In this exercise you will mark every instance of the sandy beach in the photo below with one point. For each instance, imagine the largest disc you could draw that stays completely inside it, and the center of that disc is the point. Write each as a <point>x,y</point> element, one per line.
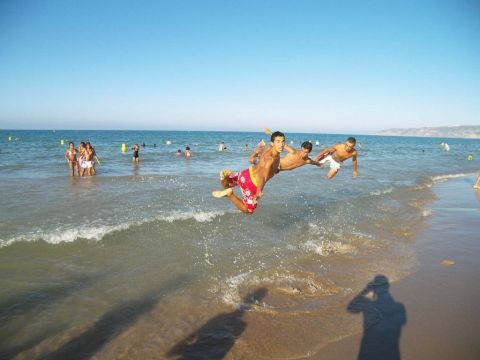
<point>442,319</point>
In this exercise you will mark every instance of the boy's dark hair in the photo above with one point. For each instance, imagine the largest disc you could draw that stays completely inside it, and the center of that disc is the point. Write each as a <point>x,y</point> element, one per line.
<point>277,134</point>
<point>352,140</point>
<point>71,143</point>
<point>307,145</point>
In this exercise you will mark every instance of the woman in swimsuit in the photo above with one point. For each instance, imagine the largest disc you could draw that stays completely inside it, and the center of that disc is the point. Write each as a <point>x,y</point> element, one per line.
<point>89,159</point>
<point>81,158</point>
<point>135,150</point>
<point>71,158</point>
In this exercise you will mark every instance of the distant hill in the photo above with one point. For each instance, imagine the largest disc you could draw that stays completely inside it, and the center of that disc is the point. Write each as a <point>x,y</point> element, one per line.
<point>471,132</point>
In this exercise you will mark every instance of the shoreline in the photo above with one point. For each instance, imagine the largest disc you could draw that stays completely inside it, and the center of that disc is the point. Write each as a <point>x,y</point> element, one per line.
<point>442,321</point>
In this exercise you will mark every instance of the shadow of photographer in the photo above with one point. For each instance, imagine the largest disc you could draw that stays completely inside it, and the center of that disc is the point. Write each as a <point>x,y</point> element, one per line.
<point>383,319</point>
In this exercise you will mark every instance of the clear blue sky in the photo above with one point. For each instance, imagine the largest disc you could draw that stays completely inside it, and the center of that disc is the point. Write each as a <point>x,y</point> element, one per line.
<point>323,66</point>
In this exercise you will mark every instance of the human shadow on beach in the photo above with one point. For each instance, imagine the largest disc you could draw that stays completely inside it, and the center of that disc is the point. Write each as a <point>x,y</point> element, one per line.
<point>112,324</point>
<point>213,340</point>
<point>15,309</point>
<point>383,319</point>
<point>41,297</point>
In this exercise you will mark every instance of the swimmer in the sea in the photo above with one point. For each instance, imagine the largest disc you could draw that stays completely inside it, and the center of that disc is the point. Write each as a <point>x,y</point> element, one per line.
<point>178,153</point>
<point>188,152</point>
<point>252,180</point>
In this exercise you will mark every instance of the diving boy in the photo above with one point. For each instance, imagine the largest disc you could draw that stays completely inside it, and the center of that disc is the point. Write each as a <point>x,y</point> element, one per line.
<point>335,155</point>
<point>252,180</point>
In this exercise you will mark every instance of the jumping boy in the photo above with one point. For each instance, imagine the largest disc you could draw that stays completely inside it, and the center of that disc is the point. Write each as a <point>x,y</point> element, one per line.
<point>252,180</point>
<point>335,155</point>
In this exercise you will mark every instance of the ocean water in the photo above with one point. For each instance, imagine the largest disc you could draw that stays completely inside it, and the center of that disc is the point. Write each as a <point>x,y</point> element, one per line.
<point>140,261</point>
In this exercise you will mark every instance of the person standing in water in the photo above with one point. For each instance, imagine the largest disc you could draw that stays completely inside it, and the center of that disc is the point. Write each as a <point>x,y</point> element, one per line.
<point>71,158</point>
<point>252,180</point>
<point>135,149</point>
<point>188,152</point>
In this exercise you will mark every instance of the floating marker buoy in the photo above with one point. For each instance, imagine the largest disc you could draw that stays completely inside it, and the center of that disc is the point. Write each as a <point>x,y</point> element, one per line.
<point>62,142</point>
<point>9,138</point>
<point>291,141</point>
<point>317,143</point>
<point>470,157</point>
<point>447,262</point>
<point>124,148</point>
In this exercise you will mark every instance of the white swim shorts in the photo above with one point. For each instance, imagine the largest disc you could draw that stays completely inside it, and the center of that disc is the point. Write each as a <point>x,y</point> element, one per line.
<point>333,164</point>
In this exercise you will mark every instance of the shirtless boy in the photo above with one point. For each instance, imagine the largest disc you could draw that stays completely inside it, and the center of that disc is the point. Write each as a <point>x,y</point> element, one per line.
<point>71,158</point>
<point>252,180</point>
<point>296,158</point>
<point>335,155</point>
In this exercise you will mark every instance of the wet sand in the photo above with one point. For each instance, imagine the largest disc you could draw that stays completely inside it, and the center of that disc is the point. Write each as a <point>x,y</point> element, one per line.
<point>440,302</point>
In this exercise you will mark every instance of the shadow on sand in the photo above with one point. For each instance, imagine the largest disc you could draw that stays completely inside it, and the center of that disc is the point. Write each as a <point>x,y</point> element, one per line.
<point>383,319</point>
<point>34,301</point>
<point>112,324</point>
<point>214,340</point>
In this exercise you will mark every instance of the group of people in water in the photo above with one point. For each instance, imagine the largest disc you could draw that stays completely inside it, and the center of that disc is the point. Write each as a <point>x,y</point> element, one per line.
<point>81,161</point>
<point>136,149</point>
<point>267,162</point>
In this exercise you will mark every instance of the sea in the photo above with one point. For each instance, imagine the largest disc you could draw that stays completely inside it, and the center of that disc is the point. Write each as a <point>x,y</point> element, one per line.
<point>141,262</point>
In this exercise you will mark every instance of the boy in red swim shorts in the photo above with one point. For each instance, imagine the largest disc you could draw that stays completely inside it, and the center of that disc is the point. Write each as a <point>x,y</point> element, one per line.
<point>252,180</point>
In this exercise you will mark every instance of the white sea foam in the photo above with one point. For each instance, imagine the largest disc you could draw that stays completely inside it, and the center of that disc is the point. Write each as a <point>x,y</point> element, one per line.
<point>284,282</point>
<point>442,178</point>
<point>381,192</point>
<point>97,232</point>
<point>199,216</point>
<point>427,212</point>
<point>325,247</point>
<point>59,235</point>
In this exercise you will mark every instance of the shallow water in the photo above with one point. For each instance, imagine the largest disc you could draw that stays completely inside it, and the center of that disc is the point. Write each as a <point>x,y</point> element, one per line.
<point>141,262</point>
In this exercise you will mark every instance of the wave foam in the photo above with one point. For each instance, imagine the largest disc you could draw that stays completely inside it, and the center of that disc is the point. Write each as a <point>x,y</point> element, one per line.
<point>442,178</point>
<point>97,232</point>
<point>381,192</point>
<point>325,248</point>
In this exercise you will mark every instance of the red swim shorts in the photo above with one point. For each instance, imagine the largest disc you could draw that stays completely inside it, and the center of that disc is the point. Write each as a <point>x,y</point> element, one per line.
<point>246,181</point>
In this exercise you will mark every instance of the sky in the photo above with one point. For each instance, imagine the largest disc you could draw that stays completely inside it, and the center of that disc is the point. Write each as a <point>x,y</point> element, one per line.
<point>299,66</point>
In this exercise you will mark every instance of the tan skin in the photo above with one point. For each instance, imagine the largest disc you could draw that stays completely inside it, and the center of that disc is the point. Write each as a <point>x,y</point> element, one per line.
<point>340,153</point>
<point>71,158</point>
<point>263,171</point>
<point>477,183</point>
<point>295,158</point>
<point>81,152</point>
<point>89,157</point>
<point>257,152</point>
